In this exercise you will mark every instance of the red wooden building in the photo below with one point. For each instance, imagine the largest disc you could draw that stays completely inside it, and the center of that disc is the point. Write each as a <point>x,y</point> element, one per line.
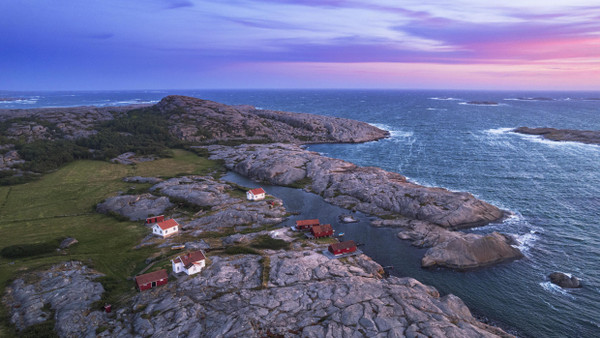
<point>155,219</point>
<point>324,230</point>
<point>306,224</point>
<point>342,247</point>
<point>151,279</point>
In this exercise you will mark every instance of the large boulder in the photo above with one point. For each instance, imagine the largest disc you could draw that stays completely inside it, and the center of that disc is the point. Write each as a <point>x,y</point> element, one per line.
<point>564,281</point>
<point>467,251</point>
<point>135,207</point>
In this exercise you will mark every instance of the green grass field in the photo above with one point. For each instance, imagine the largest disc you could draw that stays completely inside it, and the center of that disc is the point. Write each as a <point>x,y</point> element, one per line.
<point>62,203</point>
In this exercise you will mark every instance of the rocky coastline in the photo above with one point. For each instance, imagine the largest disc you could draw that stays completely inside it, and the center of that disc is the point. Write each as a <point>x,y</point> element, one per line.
<point>427,216</point>
<point>553,134</point>
<point>287,293</point>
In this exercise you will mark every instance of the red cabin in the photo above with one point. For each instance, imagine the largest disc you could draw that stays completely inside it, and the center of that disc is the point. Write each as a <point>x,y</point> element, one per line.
<point>155,219</point>
<point>324,230</point>
<point>152,279</point>
<point>342,248</point>
<point>306,224</point>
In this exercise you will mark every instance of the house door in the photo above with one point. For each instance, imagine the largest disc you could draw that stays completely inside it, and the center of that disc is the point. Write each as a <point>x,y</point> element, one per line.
<point>153,284</point>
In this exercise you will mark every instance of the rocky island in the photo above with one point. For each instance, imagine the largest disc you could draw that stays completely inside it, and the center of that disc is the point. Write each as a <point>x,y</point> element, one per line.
<point>582,136</point>
<point>286,289</point>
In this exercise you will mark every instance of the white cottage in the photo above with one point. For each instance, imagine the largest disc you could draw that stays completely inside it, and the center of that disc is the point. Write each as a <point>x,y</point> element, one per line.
<point>189,263</point>
<point>166,228</point>
<point>255,194</point>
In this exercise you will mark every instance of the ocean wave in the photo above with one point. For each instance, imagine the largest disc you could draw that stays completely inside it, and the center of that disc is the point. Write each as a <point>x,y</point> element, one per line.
<point>21,101</point>
<point>445,99</point>
<point>125,103</point>
<point>555,289</point>
<point>498,131</point>
<point>393,133</point>
<point>495,104</point>
<point>437,109</point>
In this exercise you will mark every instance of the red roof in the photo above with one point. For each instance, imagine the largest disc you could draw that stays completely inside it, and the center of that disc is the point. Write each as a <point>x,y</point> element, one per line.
<point>305,222</point>
<point>343,245</point>
<point>257,191</point>
<point>151,277</point>
<point>190,258</point>
<point>320,229</point>
<point>167,224</point>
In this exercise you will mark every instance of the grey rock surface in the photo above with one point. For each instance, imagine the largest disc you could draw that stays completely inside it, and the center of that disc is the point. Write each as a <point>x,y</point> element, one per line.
<point>367,189</point>
<point>135,207</point>
<point>202,191</point>
<point>199,120</point>
<point>67,289</point>
<point>467,251</point>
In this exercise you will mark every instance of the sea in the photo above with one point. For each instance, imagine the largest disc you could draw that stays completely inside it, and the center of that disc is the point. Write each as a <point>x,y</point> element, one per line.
<point>461,141</point>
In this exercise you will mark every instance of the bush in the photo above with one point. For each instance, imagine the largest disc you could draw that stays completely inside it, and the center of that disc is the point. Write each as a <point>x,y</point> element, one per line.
<point>240,250</point>
<point>267,242</point>
<point>27,250</point>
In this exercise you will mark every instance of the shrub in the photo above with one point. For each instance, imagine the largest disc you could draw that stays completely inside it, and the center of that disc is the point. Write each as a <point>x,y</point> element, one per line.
<point>267,242</point>
<point>27,250</point>
<point>240,250</point>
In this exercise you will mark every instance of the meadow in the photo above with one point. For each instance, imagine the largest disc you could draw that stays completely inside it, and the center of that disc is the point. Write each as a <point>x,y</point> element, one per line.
<point>62,204</point>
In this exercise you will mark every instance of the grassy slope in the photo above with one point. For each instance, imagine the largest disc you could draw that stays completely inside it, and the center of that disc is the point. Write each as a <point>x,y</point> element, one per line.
<point>62,204</point>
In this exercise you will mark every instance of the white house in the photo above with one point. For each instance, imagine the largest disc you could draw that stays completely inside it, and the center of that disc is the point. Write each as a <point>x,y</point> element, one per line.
<point>166,228</point>
<point>189,263</point>
<point>255,194</point>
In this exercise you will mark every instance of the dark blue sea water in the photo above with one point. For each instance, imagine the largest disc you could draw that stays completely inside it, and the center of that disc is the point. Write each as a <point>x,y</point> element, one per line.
<point>438,139</point>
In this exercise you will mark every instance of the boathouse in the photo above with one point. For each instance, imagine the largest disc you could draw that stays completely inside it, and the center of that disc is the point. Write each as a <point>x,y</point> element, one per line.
<point>151,280</point>
<point>255,194</point>
<point>324,230</point>
<point>342,248</point>
<point>155,219</point>
<point>190,263</point>
<point>306,224</point>
<point>166,228</point>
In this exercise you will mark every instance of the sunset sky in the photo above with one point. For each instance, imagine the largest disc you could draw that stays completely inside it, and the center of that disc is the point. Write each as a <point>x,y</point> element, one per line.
<point>178,44</point>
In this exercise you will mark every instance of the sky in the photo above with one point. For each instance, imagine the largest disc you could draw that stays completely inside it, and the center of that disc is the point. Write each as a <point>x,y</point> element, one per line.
<point>396,44</point>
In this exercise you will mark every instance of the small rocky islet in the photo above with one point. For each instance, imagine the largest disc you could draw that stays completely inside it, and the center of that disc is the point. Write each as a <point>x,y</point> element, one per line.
<point>553,134</point>
<point>290,292</point>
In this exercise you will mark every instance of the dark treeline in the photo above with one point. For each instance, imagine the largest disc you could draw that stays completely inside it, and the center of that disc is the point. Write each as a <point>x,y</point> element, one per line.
<point>143,131</point>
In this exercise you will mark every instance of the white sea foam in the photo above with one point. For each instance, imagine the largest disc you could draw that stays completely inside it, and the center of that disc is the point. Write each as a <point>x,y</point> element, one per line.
<point>21,101</point>
<point>393,133</point>
<point>555,289</point>
<point>445,99</point>
<point>498,131</point>
<point>437,109</point>
<point>483,104</point>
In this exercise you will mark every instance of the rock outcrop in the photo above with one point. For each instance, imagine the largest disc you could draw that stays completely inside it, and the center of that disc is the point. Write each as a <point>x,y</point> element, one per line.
<point>583,136</point>
<point>203,191</point>
<point>196,120</point>
<point>135,207</point>
<point>564,281</point>
<point>67,290</point>
<point>367,189</point>
<point>467,251</point>
<point>306,294</point>
<point>426,215</point>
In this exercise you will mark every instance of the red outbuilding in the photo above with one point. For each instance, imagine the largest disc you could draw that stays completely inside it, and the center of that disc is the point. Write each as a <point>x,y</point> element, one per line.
<point>151,279</point>
<point>324,230</point>
<point>342,248</point>
<point>155,219</point>
<point>306,224</point>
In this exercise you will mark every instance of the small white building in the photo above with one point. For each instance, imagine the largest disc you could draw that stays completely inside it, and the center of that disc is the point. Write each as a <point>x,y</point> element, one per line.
<point>166,228</point>
<point>189,263</point>
<point>255,194</point>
